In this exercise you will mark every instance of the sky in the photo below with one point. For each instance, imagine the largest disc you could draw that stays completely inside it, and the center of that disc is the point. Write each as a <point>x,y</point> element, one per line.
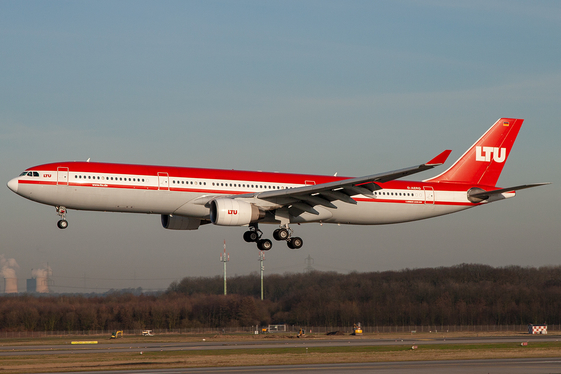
<point>319,87</point>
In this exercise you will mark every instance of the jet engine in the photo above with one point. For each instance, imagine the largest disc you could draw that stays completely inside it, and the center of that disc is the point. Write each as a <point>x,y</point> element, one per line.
<point>230,212</point>
<point>172,222</point>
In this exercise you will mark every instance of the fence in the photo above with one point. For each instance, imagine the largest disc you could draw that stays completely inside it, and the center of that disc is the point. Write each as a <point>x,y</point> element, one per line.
<point>290,328</point>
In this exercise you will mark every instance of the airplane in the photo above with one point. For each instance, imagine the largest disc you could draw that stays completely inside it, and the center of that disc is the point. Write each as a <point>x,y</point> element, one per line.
<point>187,198</point>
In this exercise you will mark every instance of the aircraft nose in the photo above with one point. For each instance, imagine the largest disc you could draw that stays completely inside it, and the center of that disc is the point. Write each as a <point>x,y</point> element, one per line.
<point>13,185</point>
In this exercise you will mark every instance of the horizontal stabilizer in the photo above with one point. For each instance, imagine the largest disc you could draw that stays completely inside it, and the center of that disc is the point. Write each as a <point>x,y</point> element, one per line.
<point>479,195</point>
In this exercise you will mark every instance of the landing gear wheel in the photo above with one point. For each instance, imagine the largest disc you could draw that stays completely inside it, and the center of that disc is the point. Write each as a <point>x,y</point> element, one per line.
<point>295,243</point>
<point>281,234</point>
<point>250,236</point>
<point>61,211</point>
<point>264,244</point>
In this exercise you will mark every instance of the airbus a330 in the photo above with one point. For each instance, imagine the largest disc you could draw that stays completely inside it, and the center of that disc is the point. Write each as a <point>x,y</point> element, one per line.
<point>187,198</point>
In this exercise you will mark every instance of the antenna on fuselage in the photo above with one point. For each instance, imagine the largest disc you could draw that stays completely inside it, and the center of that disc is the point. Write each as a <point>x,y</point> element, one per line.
<point>88,160</point>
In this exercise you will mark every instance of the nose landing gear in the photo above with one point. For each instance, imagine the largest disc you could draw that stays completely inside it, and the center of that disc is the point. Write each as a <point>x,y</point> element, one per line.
<point>63,223</point>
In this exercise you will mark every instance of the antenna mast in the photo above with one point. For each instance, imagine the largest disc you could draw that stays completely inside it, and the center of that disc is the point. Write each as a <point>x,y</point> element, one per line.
<point>224,259</point>
<point>309,262</point>
<point>261,259</point>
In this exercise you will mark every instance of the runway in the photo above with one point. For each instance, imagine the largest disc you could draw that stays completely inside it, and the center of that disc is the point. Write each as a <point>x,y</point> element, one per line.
<point>500,366</point>
<point>19,350</point>
<point>496,366</point>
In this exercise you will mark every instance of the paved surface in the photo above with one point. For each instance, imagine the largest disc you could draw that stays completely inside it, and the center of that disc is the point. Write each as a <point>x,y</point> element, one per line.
<point>512,366</point>
<point>497,366</point>
<point>286,343</point>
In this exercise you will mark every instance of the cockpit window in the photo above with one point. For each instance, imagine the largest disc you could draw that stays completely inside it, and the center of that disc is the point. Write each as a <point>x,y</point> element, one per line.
<point>30,174</point>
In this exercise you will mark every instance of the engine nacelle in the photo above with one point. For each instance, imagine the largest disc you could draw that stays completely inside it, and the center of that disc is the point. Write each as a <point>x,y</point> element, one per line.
<point>230,212</point>
<point>172,222</point>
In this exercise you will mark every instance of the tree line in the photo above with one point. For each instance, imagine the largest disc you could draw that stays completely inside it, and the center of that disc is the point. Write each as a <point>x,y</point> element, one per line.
<point>467,294</point>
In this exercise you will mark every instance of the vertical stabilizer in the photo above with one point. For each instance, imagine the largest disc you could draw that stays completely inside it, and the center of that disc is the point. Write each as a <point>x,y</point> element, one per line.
<point>483,162</point>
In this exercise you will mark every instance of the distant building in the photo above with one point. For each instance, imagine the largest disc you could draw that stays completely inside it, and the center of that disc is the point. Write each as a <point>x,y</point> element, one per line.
<point>537,329</point>
<point>10,285</point>
<point>38,285</point>
<point>32,285</point>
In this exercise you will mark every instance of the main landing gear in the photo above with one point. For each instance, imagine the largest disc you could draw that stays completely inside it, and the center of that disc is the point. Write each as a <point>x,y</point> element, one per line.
<point>254,235</point>
<point>63,223</point>
<point>285,233</point>
<point>282,233</point>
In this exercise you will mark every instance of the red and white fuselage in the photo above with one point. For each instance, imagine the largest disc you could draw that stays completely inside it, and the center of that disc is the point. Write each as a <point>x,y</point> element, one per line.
<point>170,190</point>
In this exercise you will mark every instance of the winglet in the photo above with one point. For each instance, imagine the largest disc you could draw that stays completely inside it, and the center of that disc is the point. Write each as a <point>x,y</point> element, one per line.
<point>440,159</point>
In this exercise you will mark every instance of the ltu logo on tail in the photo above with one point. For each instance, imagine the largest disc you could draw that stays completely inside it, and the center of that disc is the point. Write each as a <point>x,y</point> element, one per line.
<point>484,154</point>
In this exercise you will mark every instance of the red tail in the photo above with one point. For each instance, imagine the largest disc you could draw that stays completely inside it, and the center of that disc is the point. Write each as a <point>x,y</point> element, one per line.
<point>484,161</point>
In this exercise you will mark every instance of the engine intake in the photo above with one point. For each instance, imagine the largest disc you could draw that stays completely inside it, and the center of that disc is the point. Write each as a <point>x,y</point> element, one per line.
<point>230,212</point>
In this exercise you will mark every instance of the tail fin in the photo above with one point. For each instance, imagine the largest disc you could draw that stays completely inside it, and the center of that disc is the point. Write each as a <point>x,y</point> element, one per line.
<point>483,162</point>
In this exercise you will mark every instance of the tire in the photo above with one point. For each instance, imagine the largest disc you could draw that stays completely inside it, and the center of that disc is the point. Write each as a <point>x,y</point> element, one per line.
<point>283,234</point>
<point>264,244</point>
<point>295,243</point>
<point>250,236</point>
<point>62,224</point>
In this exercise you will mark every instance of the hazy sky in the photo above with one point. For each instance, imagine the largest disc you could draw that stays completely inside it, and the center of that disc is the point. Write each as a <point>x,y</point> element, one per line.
<point>354,87</point>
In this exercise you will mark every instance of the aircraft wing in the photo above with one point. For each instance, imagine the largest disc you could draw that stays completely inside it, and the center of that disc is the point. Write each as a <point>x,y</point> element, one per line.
<point>306,197</point>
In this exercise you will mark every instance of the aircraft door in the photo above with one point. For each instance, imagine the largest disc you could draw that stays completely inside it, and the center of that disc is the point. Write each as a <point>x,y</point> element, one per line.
<point>62,176</point>
<point>163,181</point>
<point>429,195</point>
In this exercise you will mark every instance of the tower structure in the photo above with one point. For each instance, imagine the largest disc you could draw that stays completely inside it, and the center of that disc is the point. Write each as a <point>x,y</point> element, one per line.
<point>261,260</point>
<point>309,262</point>
<point>224,259</point>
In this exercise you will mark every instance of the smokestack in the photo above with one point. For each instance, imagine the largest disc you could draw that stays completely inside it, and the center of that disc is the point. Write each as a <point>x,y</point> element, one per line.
<point>8,272</point>
<point>41,276</point>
